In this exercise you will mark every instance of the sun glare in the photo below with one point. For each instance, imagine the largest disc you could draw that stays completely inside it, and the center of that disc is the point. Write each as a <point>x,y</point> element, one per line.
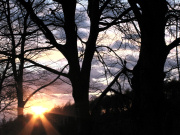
<point>38,110</point>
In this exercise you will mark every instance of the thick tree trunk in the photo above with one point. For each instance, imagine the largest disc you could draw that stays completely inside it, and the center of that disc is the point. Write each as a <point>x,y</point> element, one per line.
<point>148,103</point>
<point>148,74</point>
<point>81,98</point>
<point>83,117</point>
<point>147,83</point>
<point>148,77</point>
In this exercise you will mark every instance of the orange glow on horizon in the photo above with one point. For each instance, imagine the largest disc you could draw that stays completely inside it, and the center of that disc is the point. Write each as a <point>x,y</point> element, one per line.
<point>27,130</point>
<point>50,130</point>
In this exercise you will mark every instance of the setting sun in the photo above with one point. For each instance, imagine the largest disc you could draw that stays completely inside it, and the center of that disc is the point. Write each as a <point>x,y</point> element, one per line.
<point>38,110</point>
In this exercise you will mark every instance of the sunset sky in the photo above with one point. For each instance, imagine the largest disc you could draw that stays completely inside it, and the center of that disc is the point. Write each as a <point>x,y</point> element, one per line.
<point>59,93</point>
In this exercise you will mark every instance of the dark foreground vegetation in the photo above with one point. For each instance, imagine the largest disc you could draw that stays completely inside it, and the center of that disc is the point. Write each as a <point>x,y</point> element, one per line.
<point>111,116</point>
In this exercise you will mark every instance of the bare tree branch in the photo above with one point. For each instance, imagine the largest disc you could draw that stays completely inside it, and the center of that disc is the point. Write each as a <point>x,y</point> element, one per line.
<point>174,44</point>
<point>47,68</point>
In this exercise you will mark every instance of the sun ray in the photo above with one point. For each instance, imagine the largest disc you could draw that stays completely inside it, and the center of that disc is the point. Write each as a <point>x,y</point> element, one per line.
<point>50,130</point>
<point>33,126</point>
<point>29,127</point>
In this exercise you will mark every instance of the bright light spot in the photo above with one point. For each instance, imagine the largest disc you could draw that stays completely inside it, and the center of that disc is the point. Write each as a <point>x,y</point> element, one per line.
<point>38,110</point>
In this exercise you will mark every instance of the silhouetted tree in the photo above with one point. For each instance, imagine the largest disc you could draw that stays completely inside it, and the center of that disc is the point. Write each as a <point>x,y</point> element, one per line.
<point>148,74</point>
<point>79,72</point>
<point>17,32</point>
<point>7,92</point>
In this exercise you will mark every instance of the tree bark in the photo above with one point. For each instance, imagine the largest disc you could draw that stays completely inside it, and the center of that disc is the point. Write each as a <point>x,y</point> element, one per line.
<point>149,101</point>
<point>148,74</point>
<point>81,98</point>
<point>19,89</point>
<point>20,105</point>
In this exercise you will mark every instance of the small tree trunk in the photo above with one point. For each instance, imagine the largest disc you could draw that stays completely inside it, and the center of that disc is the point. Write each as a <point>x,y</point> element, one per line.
<point>20,113</point>
<point>20,109</point>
